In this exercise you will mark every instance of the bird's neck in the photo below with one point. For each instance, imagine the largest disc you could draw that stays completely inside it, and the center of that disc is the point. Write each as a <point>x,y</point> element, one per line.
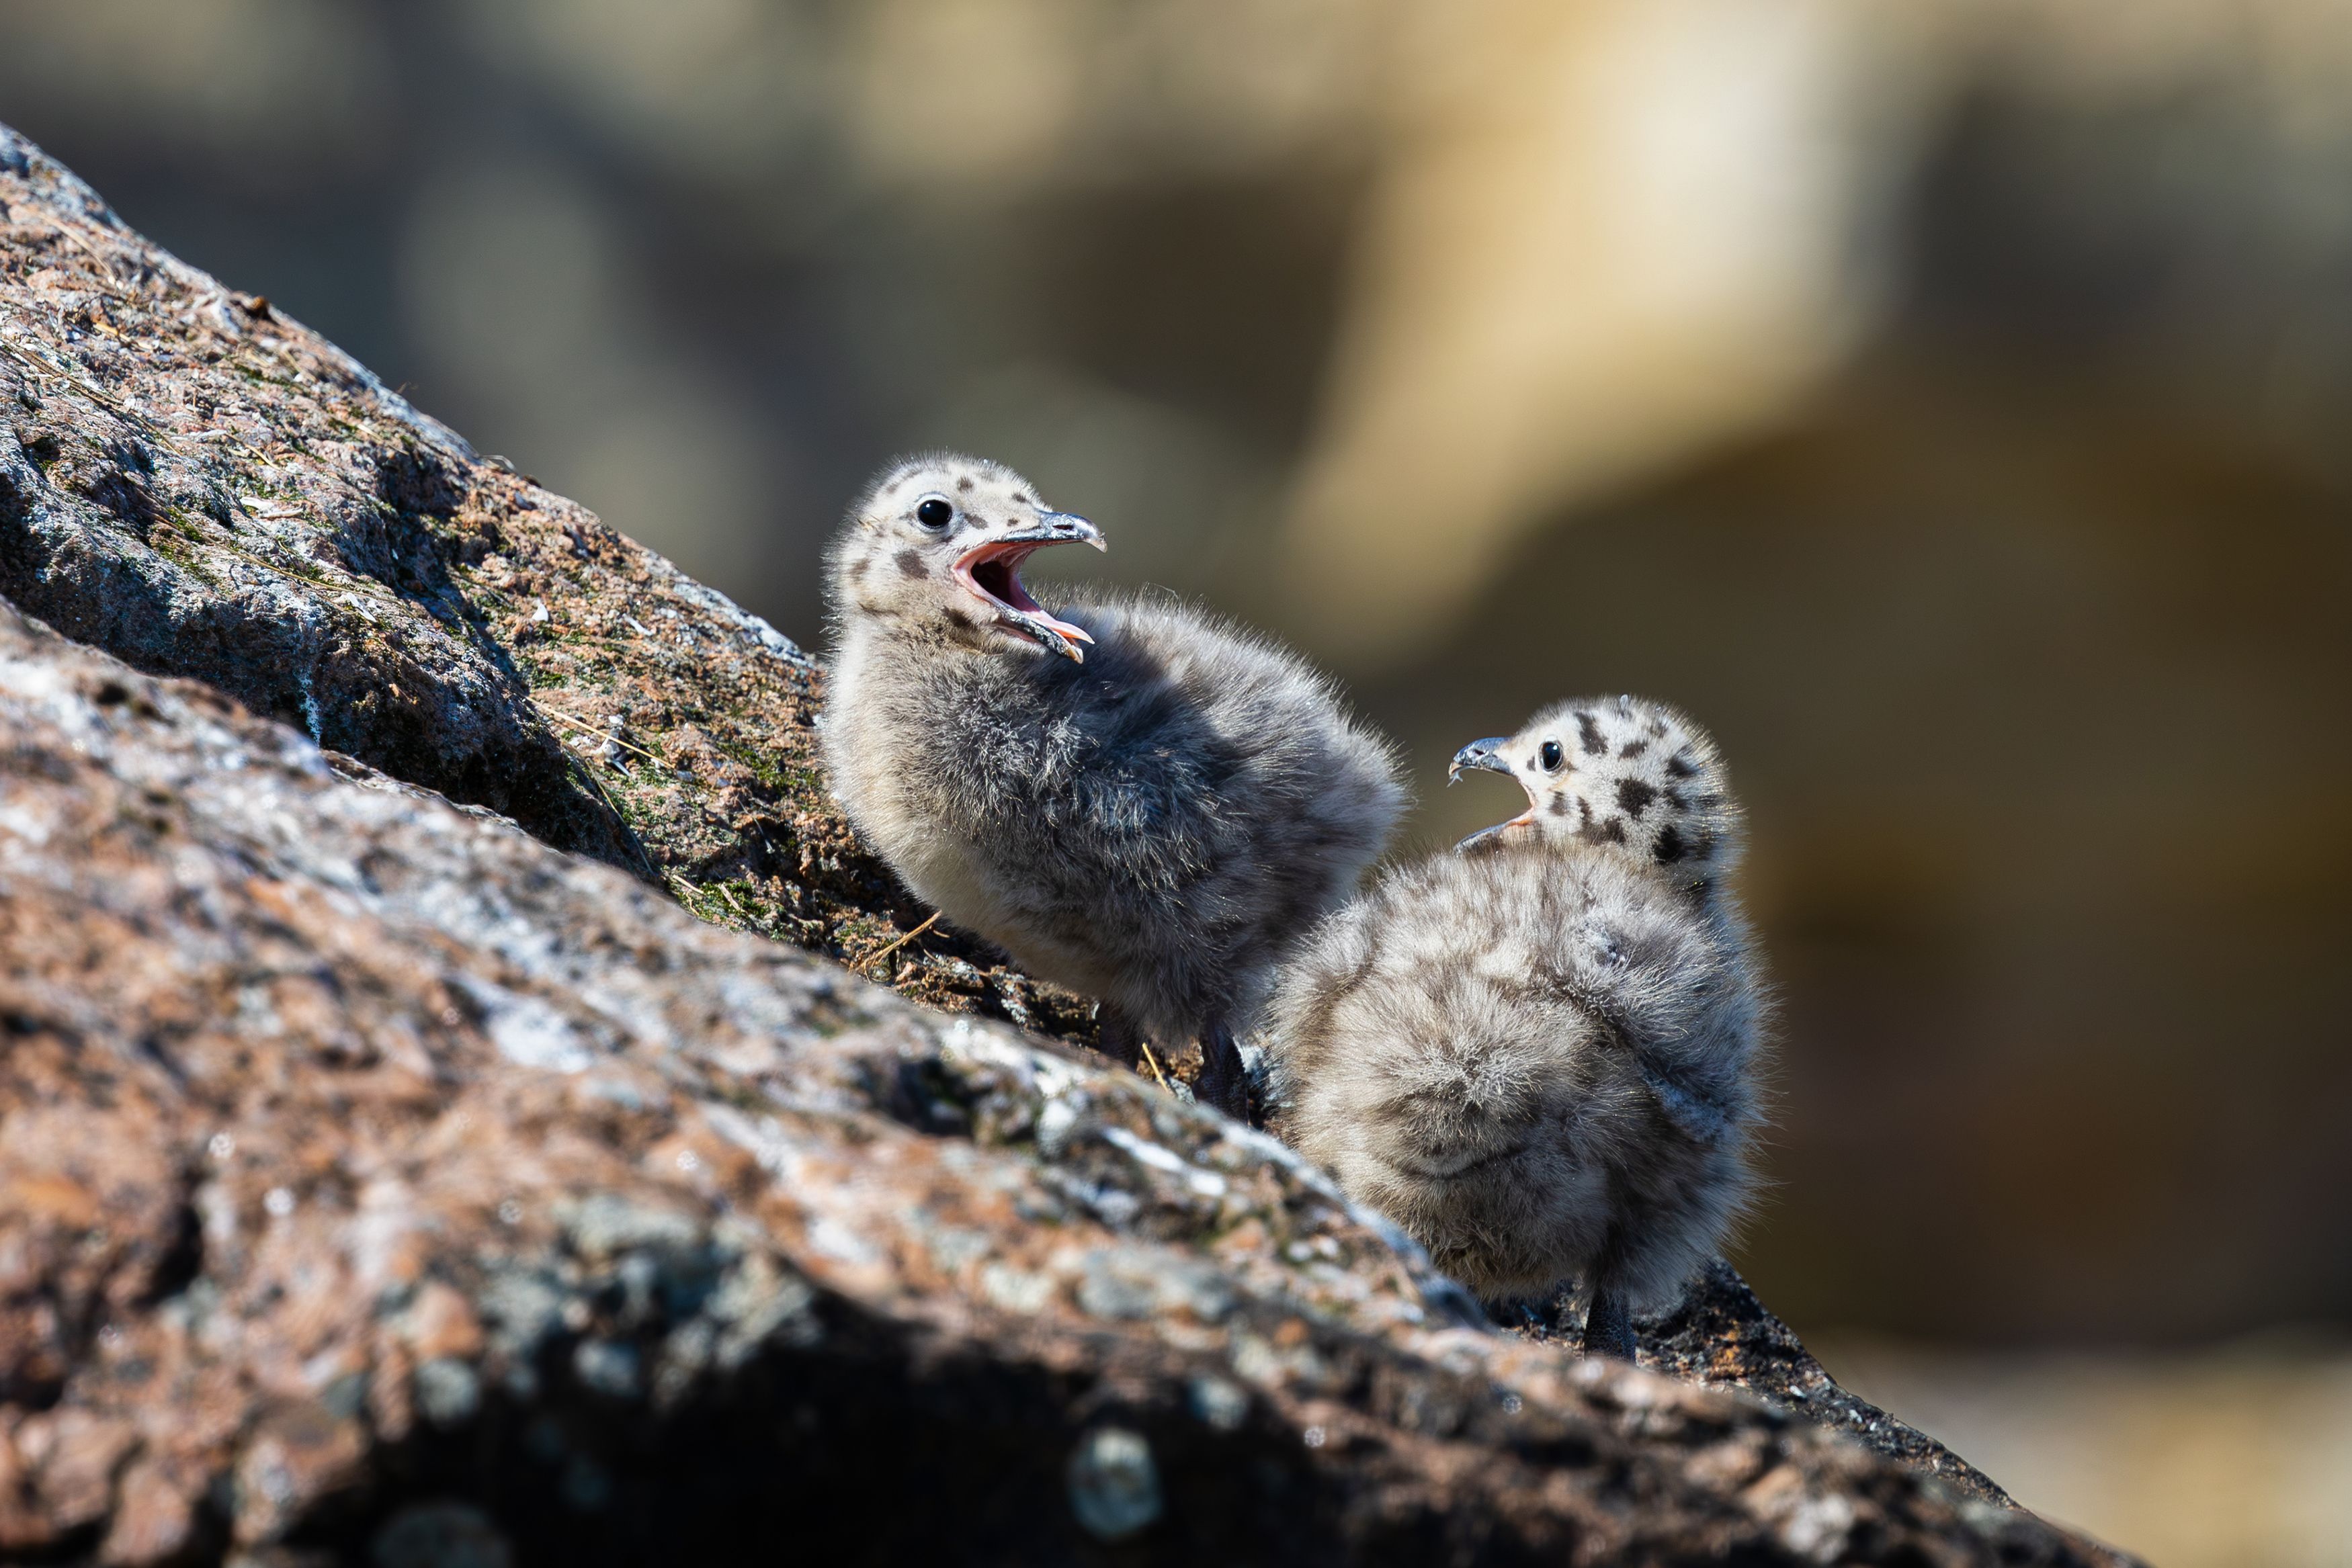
<point>908,655</point>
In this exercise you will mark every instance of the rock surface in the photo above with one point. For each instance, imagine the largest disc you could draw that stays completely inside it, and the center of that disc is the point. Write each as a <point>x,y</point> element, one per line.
<point>203,488</point>
<point>379,1183</point>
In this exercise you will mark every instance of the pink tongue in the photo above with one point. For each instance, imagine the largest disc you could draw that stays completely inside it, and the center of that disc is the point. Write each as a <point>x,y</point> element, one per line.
<point>1075,633</point>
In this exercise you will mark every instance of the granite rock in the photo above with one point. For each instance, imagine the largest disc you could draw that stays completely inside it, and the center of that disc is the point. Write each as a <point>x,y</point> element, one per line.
<point>402,1160</point>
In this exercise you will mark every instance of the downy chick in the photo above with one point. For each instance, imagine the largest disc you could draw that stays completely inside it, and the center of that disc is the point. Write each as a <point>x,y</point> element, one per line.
<point>1538,1053</point>
<point>1132,798</point>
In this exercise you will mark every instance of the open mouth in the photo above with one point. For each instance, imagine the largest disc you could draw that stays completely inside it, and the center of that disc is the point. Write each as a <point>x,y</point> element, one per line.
<point>993,572</point>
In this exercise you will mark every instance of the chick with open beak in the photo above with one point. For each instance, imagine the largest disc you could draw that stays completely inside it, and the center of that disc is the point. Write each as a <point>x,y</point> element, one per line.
<point>937,554</point>
<point>1539,1054</point>
<point>1617,773</point>
<point>1132,797</point>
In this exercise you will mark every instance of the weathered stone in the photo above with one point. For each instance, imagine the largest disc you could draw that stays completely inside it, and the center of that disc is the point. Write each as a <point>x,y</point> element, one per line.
<point>383,1184</point>
<point>203,487</point>
<point>1720,1334</point>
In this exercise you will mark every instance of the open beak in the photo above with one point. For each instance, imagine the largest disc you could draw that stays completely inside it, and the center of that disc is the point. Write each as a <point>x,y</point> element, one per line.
<point>1487,755</point>
<point>991,572</point>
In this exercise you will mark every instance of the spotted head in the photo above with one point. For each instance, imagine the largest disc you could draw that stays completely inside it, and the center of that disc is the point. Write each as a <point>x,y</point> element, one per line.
<point>1621,772</point>
<point>934,547</point>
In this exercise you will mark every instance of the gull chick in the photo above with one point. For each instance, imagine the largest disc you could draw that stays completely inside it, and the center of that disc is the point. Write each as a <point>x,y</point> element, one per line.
<point>1539,1053</point>
<point>1132,798</point>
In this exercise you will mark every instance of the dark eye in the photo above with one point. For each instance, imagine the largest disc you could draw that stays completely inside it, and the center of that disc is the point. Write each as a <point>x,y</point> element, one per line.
<point>1550,756</point>
<point>935,513</point>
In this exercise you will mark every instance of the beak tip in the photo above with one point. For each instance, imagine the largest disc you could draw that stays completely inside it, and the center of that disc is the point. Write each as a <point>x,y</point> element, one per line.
<point>1485,755</point>
<point>1068,527</point>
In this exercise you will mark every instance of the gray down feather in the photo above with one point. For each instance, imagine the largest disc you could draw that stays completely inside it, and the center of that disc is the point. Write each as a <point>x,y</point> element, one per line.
<point>1539,1056</point>
<point>1153,826</point>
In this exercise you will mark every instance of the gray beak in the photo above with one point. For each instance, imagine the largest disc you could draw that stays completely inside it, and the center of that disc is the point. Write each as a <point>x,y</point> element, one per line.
<point>1487,754</point>
<point>1057,637</point>
<point>1059,528</point>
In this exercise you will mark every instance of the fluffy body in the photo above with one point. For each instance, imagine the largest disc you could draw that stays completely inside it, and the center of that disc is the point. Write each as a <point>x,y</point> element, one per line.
<point>1153,826</point>
<point>1539,1055</point>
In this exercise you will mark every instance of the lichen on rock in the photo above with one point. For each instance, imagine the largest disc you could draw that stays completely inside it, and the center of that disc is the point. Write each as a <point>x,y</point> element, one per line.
<point>203,487</point>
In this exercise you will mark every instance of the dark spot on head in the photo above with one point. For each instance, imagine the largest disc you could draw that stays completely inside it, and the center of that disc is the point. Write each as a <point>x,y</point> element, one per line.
<point>1658,727</point>
<point>1670,845</point>
<point>964,483</point>
<point>960,621</point>
<point>910,563</point>
<point>1634,796</point>
<point>1674,799</point>
<point>1584,810</point>
<point>1633,749</point>
<point>1023,501</point>
<point>1587,735</point>
<point>111,692</point>
<point>1559,805</point>
<point>1680,766</point>
<point>1611,831</point>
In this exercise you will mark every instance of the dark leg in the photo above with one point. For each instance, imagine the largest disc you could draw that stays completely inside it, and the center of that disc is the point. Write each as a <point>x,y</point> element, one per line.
<point>1118,1039</point>
<point>1608,1321</point>
<point>1223,1083</point>
<point>1607,1325</point>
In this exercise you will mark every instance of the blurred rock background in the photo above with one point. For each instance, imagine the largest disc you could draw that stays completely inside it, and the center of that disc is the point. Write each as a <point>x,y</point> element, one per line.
<point>1946,402</point>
